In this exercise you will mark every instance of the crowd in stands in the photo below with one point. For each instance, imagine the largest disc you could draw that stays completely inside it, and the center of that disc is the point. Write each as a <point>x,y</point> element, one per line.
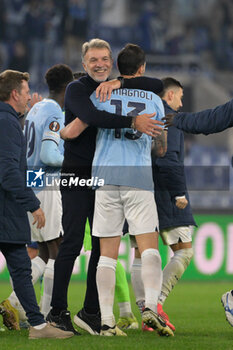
<point>35,34</point>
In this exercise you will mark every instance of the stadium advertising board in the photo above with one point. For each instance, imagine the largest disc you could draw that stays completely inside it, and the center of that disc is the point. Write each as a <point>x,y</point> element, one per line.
<point>212,244</point>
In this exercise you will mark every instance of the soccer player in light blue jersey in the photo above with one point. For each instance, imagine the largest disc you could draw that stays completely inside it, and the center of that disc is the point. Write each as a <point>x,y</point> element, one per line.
<point>123,159</point>
<point>45,153</point>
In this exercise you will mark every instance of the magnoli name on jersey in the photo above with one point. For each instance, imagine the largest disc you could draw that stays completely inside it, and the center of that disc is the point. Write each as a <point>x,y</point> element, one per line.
<point>133,93</point>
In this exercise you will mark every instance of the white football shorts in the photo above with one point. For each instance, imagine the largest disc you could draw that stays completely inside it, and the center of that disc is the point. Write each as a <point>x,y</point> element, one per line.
<point>175,235</point>
<point>114,204</point>
<point>52,207</point>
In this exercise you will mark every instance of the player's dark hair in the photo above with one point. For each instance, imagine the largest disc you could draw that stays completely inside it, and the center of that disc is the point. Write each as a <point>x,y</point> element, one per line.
<point>169,83</point>
<point>130,58</point>
<point>78,75</point>
<point>58,76</point>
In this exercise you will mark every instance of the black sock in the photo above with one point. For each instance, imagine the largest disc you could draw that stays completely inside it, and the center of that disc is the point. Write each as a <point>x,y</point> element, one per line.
<point>56,311</point>
<point>90,311</point>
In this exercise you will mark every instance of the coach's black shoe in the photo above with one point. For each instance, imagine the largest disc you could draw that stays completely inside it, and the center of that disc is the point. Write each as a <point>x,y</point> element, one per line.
<point>62,321</point>
<point>89,322</point>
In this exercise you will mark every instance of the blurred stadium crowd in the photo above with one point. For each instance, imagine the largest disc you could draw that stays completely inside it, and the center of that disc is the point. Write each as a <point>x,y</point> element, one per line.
<point>42,32</point>
<point>34,35</point>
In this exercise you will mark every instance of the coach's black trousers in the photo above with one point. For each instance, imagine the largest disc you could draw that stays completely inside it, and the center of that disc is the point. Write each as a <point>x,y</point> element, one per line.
<point>78,205</point>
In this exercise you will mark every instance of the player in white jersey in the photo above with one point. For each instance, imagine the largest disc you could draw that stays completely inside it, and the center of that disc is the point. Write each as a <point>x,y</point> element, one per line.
<point>45,155</point>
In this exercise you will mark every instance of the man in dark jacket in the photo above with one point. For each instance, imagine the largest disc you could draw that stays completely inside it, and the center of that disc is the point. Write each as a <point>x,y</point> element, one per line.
<point>209,121</point>
<point>174,211</point>
<point>172,199</point>
<point>16,200</point>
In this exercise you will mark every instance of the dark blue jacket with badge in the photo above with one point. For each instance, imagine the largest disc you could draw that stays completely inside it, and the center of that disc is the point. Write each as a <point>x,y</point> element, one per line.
<point>15,198</point>
<point>169,180</point>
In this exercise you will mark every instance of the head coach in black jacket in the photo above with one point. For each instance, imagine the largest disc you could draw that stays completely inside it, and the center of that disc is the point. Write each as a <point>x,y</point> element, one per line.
<point>175,215</point>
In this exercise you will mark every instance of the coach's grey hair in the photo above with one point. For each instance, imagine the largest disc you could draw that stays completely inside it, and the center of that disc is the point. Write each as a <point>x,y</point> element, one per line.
<point>97,44</point>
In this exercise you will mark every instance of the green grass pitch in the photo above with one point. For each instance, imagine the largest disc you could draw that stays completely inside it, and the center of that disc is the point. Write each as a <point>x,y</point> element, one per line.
<point>193,307</point>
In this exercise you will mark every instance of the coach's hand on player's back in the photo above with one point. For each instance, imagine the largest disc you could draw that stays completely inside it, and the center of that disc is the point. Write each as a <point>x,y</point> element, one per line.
<point>39,218</point>
<point>145,124</point>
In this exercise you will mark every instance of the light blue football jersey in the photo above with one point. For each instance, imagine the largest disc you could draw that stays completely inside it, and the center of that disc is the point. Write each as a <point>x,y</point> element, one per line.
<point>44,122</point>
<point>123,156</point>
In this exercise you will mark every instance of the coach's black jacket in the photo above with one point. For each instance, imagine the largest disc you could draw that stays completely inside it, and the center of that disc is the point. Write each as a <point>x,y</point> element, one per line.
<point>169,180</point>
<point>15,198</point>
